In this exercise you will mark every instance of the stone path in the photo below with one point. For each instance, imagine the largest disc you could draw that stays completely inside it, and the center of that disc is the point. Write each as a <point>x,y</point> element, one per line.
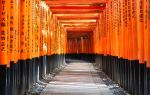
<point>77,79</point>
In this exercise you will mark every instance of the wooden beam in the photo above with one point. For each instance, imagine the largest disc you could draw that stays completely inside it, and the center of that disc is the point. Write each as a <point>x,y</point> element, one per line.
<point>76,18</point>
<point>80,29</point>
<point>63,2</point>
<point>76,12</point>
<point>77,7</point>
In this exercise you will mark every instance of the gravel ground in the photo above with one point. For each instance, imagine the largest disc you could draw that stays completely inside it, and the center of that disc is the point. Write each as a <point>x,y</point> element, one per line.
<point>117,90</point>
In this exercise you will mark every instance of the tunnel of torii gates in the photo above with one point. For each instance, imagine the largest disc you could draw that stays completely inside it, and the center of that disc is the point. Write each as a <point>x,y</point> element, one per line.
<point>36,36</point>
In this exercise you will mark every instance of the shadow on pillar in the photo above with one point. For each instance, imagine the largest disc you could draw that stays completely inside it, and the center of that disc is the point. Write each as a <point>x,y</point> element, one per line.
<point>21,76</point>
<point>129,74</point>
<point>3,80</point>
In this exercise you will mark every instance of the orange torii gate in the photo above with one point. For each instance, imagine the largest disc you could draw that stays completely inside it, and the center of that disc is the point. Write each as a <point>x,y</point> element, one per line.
<point>36,35</point>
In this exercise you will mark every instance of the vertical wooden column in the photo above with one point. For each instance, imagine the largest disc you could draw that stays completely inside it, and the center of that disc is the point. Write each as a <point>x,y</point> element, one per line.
<point>3,46</point>
<point>12,45</point>
<point>148,46</point>
<point>23,30</point>
<point>140,18</point>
